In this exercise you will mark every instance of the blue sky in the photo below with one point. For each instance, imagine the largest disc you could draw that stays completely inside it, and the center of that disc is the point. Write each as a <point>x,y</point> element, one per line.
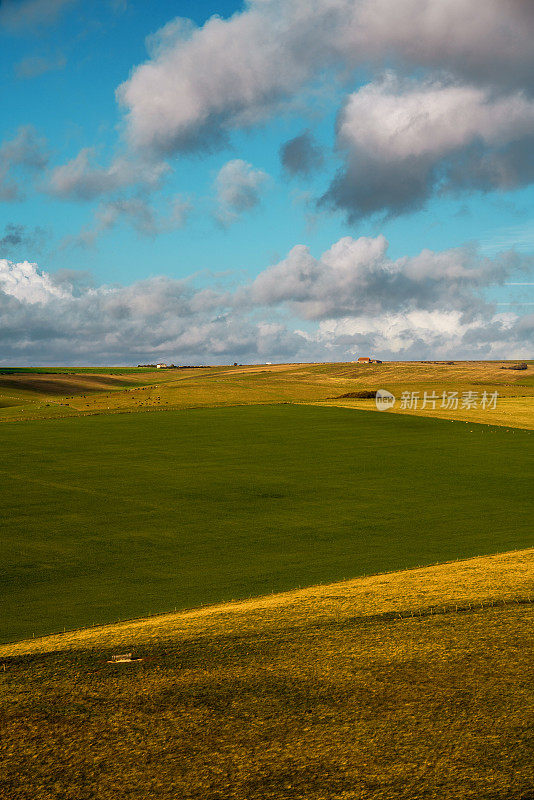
<point>233,142</point>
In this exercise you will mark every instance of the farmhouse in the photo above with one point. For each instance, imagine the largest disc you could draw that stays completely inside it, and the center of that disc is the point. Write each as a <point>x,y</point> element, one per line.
<point>368,360</point>
<point>161,366</point>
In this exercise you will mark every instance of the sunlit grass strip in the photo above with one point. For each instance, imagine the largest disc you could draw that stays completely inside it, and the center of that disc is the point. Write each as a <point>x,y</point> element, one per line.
<point>475,583</point>
<point>510,412</point>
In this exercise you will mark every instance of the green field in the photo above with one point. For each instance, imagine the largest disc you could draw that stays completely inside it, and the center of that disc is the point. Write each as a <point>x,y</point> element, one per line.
<point>117,516</point>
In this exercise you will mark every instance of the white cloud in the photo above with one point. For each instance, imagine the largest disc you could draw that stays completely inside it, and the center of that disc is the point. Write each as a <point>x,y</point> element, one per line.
<point>238,186</point>
<point>428,334</point>
<point>25,282</point>
<point>429,306</point>
<point>81,179</point>
<point>201,83</point>
<point>400,121</point>
<point>356,276</point>
<point>403,141</point>
<point>43,321</point>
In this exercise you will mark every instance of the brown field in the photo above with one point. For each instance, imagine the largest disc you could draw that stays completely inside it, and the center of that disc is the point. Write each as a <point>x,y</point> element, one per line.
<point>404,685</point>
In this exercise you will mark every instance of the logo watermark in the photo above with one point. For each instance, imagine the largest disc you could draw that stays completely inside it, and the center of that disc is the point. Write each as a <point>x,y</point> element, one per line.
<point>470,401</point>
<point>384,400</point>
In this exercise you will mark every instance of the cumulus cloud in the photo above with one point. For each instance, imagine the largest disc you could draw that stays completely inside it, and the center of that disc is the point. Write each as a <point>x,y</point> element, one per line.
<point>356,277</point>
<point>33,66</point>
<point>156,318</point>
<point>432,306</point>
<point>427,334</point>
<point>404,140</point>
<point>301,155</point>
<point>484,41</point>
<point>238,186</point>
<point>26,151</point>
<point>18,16</point>
<point>26,283</point>
<point>81,179</point>
<point>201,83</point>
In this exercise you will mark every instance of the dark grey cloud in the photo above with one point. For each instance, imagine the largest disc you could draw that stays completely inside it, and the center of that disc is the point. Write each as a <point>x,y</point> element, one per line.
<point>364,188</point>
<point>509,166</point>
<point>301,155</point>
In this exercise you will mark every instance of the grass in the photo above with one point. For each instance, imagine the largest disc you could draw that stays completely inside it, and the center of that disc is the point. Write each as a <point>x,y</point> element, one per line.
<point>411,684</point>
<point>57,393</point>
<point>330,693</point>
<point>512,412</point>
<point>116,516</point>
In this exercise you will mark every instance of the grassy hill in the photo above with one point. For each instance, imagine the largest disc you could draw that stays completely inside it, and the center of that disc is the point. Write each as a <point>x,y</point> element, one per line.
<point>128,492</point>
<point>108,517</point>
<point>405,685</point>
<point>38,394</point>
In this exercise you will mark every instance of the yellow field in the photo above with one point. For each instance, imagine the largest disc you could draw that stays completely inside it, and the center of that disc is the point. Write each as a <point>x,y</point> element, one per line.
<point>27,396</point>
<point>512,412</point>
<point>405,685</point>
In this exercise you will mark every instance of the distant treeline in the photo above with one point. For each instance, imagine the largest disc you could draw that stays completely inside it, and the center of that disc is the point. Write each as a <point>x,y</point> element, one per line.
<point>364,394</point>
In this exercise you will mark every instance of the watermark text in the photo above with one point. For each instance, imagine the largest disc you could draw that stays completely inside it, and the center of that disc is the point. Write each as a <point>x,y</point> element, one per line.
<point>448,400</point>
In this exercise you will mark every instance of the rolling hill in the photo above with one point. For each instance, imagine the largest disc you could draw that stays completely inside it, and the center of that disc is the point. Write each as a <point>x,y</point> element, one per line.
<point>405,685</point>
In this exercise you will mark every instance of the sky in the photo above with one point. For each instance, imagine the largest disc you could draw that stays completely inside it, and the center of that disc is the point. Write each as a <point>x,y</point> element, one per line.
<point>212,181</point>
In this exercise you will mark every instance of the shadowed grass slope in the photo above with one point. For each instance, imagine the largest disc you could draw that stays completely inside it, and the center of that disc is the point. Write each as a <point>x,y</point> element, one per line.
<point>330,693</point>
